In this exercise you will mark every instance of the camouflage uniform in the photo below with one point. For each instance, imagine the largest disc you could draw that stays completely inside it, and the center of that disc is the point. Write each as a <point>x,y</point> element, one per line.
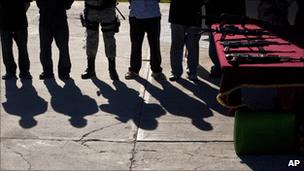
<point>100,12</point>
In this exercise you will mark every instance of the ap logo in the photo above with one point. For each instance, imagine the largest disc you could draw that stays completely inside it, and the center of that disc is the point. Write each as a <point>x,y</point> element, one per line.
<point>294,163</point>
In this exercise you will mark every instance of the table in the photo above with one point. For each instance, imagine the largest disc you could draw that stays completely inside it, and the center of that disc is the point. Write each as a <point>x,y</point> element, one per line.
<point>285,74</point>
<point>275,137</point>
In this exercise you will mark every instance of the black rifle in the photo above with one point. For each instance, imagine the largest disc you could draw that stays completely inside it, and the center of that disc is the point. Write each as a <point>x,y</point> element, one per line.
<point>240,58</point>
<point>250,43</point>
<point>233,30</point>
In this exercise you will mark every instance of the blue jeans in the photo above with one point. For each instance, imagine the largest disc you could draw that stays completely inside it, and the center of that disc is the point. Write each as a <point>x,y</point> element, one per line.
<point>180,36</point>
<point>20,38</point>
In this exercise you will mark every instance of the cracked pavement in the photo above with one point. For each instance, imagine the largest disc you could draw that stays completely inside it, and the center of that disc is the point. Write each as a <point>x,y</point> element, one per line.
<point>124,125</point>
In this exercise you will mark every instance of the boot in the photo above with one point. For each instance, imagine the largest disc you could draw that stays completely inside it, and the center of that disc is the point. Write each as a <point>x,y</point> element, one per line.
<point>90,71</point>
<point>112,69</point>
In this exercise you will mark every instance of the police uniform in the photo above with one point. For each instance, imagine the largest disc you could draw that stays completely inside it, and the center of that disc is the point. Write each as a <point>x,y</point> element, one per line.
<point>100,12</point>
<point>13,26</point>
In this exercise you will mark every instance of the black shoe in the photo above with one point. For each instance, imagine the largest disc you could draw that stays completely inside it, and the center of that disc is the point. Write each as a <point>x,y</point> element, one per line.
<point>174,78</point>
<point>158,76</point>
<point>25,76</point>
<point>215,73</point>
<point>131,75</point>
<point>88,75</point>
<point>114,75</point>
<point>8,76</point>
<point>193,77</point>
<point>64,77</point>
<point>44,76</point>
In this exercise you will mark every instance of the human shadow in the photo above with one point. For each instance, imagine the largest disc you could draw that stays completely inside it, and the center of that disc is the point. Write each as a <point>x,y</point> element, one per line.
<point>70,101</point>
<point>204,92</point>
<point>204,74</point>
<point>126,104</point>
<point>178,103</point>
<point>23,102</point>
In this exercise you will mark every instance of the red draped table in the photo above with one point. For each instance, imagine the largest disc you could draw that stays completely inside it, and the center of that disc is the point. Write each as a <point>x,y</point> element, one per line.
<point>285,74</point>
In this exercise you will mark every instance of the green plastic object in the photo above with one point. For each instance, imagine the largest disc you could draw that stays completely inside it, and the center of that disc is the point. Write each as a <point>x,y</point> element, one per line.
<point>264,133</point>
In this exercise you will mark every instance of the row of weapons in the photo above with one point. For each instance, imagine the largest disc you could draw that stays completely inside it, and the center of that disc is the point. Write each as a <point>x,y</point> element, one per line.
<point>258,41</point>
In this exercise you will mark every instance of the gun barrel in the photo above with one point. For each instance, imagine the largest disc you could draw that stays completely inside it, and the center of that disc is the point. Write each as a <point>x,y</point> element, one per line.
<point>250,43</point>
<point>238,58</point>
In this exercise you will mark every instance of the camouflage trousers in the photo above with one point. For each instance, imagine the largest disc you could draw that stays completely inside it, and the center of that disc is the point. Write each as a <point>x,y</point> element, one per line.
<point>106,19</point>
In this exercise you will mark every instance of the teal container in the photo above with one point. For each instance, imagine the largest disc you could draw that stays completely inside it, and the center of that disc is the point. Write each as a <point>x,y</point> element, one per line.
<point>264,133</point>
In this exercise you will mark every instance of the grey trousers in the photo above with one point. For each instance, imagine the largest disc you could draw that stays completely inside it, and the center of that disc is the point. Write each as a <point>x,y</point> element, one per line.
<point>181,36</point>
<point>105,18</point>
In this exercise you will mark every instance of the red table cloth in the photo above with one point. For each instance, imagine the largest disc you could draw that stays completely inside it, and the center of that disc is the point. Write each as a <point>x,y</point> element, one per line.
<point>285,74</point>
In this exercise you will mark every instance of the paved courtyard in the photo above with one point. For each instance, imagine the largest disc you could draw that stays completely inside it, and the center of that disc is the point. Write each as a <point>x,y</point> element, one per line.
<point>123,125</point>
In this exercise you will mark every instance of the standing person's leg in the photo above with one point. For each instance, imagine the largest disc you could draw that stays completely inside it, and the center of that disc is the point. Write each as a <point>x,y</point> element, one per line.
<point>192,45</point>
<point>7,54</point>
<point>153,34</point>
<point>23,60</point>
<point>137,33</point>
<point>176,51</point>
<point>61,36</point>
<point>46,39</point>
<point>216,68</point>
<point>108,27</point>
<point>92,41</point>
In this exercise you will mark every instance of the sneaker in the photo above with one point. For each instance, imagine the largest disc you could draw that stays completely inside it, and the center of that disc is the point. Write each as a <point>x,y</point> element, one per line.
<point>25,76</point>
<point>158,76</point>
<point>193,77</point>
<point>44,76</point>
<point>174,78</point>
<point>131,75</point>
<point>88,75</point>
<point>114,76</point>
<point>8,76</point>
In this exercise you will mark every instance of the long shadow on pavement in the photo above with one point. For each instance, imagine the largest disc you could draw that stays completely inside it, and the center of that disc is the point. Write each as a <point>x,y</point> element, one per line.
<point>126,104</point>
<point>204,92</point>
<point>178,103</point>
<point>23,102</point>
<point>70,101</point>
<point>204,74</point>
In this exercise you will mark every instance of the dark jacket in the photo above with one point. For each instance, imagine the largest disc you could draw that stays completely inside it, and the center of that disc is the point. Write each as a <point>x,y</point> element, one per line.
<point>186,12</point>
<point>53,12</point>
<point>217,7</point>
<point>13,14</point>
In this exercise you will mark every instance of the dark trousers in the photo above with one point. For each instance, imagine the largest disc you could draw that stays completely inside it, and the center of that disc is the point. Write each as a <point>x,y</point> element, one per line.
<point>61,36</point>
<point>138,28</point>
<point>213,54</point>
<point>20,38</point>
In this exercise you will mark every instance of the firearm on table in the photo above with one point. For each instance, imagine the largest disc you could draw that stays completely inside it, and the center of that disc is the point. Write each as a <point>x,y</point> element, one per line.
<point>250,43</point>
<point>240,58</point>
<point>233,30</point>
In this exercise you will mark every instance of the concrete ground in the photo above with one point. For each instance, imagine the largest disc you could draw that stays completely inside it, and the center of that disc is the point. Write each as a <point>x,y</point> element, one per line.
<point>124,125</point>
